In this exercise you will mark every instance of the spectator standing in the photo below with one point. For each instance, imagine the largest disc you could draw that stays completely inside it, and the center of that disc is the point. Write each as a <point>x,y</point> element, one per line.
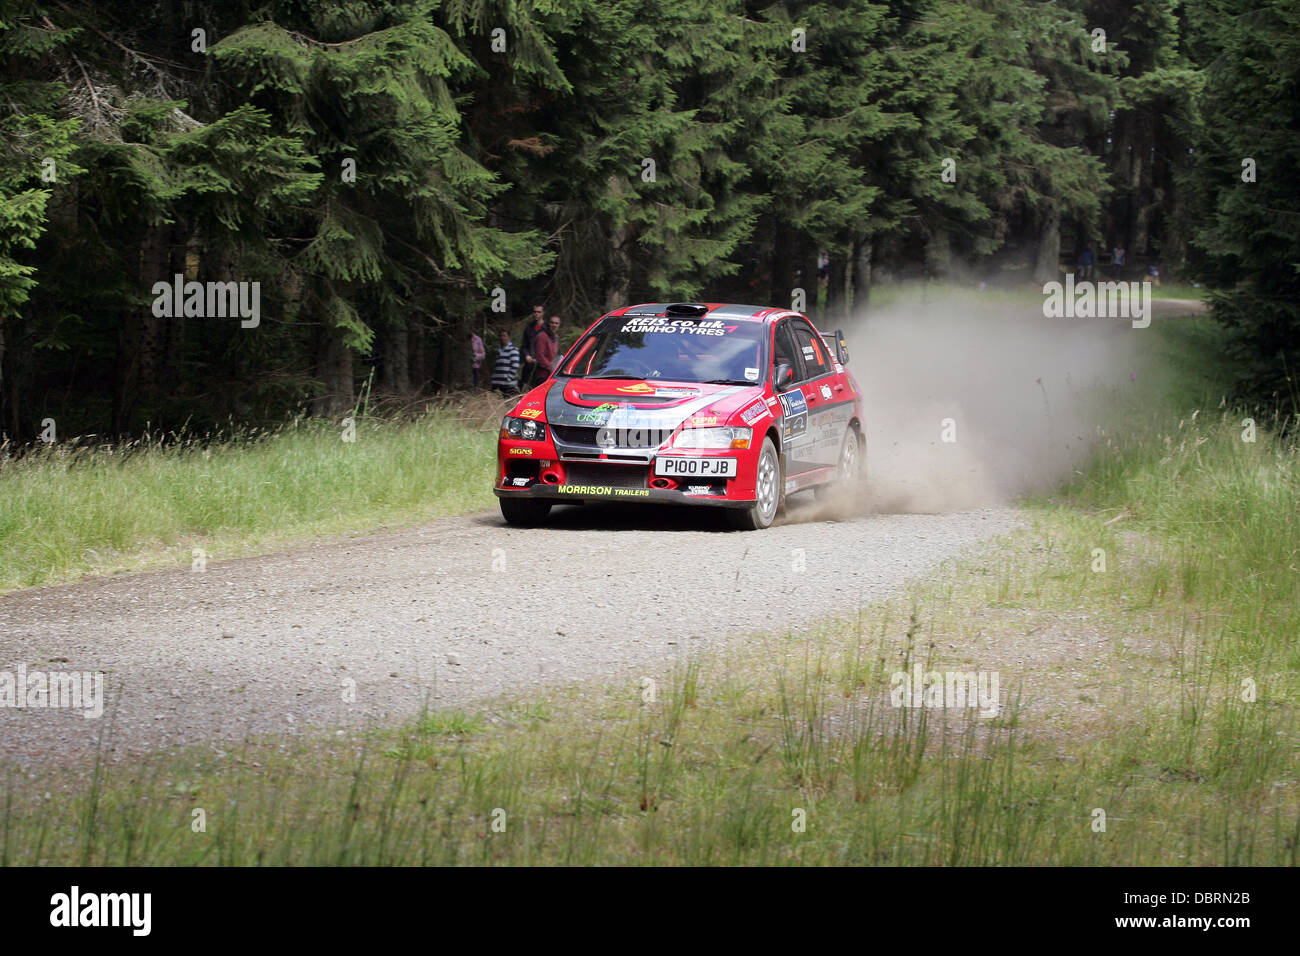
<point>547,348</point>
<point>1117,257</point>
<point>505,373</point>
<point>478,354</point>
<point>1086,259</point>
<point>528,342</point>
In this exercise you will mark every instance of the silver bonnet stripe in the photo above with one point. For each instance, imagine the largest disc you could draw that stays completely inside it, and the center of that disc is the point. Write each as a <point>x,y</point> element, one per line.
<point>560,412</point>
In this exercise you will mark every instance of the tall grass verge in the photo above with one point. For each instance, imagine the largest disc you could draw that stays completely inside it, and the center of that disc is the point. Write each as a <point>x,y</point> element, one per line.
<point>70,508</point>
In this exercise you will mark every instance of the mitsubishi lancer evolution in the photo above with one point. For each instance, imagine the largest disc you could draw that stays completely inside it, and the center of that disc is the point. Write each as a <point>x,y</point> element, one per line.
<point>729,406</point>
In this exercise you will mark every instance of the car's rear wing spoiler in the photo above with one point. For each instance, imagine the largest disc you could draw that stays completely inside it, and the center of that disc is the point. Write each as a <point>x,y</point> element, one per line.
<point>839,348</point>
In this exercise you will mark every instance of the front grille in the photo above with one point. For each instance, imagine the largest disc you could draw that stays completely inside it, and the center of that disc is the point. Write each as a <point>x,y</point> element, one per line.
<point>582,436</point>
<point>575,434</point>
<point>615,476</point>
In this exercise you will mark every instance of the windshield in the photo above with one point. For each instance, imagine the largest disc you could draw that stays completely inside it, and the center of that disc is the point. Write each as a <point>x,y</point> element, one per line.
<point>680,350</point>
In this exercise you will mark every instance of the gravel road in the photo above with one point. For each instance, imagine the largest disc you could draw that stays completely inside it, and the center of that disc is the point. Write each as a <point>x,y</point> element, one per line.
<point>449,613</point>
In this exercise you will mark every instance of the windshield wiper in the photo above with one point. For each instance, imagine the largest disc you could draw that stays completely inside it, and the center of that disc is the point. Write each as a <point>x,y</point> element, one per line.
<point>728,381</point>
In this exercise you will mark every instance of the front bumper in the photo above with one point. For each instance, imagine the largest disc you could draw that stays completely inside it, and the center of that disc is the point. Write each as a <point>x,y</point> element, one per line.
<point>576,493</point>
<point>535,470</point>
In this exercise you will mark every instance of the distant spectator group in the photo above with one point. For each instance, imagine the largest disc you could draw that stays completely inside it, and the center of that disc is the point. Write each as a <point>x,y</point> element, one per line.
<point>520,368</point>
<point>1087,261</point>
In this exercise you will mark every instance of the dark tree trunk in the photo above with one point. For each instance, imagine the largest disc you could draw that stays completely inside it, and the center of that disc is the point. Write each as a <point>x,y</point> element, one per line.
<point>618,276</point>
<point>619,263</point>
<point>455,364</point>
<point>334,372</point>
<point>863,248</point>
<point>394,368</point>
<point>8,391</point>
<point>1140,189</point>
<point>1047,264</point>
<point>938,254</point>
<point>782,268</point>
<point>807,279</point>
<point>222,269</point>
<point>155,266</point>
<point>1123,173</point>
<point>836,291</point>
<point>417,354</point>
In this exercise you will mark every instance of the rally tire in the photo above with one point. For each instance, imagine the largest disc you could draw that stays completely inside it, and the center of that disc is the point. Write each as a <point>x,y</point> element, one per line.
<point>851,471</point>
<point>767,493</point>
<point>525,512</point>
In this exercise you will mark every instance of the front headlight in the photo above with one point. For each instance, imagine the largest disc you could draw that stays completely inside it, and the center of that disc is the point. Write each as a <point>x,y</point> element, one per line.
<point>713,437</point>
<point>524,428</point>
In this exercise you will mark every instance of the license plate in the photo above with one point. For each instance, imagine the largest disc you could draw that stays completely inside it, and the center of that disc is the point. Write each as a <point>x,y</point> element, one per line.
<point>696,467</point>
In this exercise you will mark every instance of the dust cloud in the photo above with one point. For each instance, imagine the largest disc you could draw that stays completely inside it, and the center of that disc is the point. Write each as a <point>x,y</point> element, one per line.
<point>1020,390</point>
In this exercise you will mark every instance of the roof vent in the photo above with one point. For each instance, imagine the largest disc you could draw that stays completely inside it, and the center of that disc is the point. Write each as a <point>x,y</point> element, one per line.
<point>687,310</point>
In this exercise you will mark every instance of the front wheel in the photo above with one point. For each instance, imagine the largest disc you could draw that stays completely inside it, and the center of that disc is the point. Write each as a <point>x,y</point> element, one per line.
<point>525,512</point>
<point>767,493</point>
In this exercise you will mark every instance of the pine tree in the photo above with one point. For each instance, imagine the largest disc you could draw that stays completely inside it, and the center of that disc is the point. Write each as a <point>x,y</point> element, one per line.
<point>1246,182</point>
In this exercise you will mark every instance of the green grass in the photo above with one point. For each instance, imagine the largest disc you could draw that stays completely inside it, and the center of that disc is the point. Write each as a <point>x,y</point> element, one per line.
<point>1125,691</point>
<point>734,751</point>
<point>65,511</point>
<point>1175,290</point>
<point>1160,692</point>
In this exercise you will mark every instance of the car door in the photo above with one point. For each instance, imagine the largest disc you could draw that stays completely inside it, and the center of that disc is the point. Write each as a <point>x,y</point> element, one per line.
<point>830,406</point>
<point>795,440</point>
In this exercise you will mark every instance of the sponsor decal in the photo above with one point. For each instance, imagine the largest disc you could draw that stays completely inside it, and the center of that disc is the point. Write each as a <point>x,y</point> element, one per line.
<point>753,413</point>
<point>606,490</point>
<point>645,388</point>
<point>698,490</point>
<point>751,374</point>
<point>772,401</point>
<point>666,326</point>
<point>521,451</point>
<point>519,482</point>
<point>839,369</point>
<point>598,415</point>
<point>794,403</point>
<point>795,422</point>
<point>826,391</point>
<point>808,353</point>
<point>531,413</point>
<point>703,420</point>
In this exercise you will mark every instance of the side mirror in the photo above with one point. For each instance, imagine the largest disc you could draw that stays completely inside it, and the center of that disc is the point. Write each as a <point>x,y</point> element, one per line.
<point>783,377</point>
<point>835,342</point>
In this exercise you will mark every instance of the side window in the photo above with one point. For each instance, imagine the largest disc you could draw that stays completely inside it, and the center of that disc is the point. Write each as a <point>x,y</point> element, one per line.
<point>784,351</point>
<point>813,351</point>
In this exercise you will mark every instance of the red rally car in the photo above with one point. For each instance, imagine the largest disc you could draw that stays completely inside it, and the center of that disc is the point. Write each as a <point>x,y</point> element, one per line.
<point>734,406</point>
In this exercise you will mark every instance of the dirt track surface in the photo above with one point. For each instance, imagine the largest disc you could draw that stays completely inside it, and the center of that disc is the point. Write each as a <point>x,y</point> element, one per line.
<point>1174,307</point>
<point>447,614</point>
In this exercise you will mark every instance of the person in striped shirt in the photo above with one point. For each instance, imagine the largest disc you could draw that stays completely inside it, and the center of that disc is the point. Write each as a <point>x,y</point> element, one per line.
<point>505,374</point>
